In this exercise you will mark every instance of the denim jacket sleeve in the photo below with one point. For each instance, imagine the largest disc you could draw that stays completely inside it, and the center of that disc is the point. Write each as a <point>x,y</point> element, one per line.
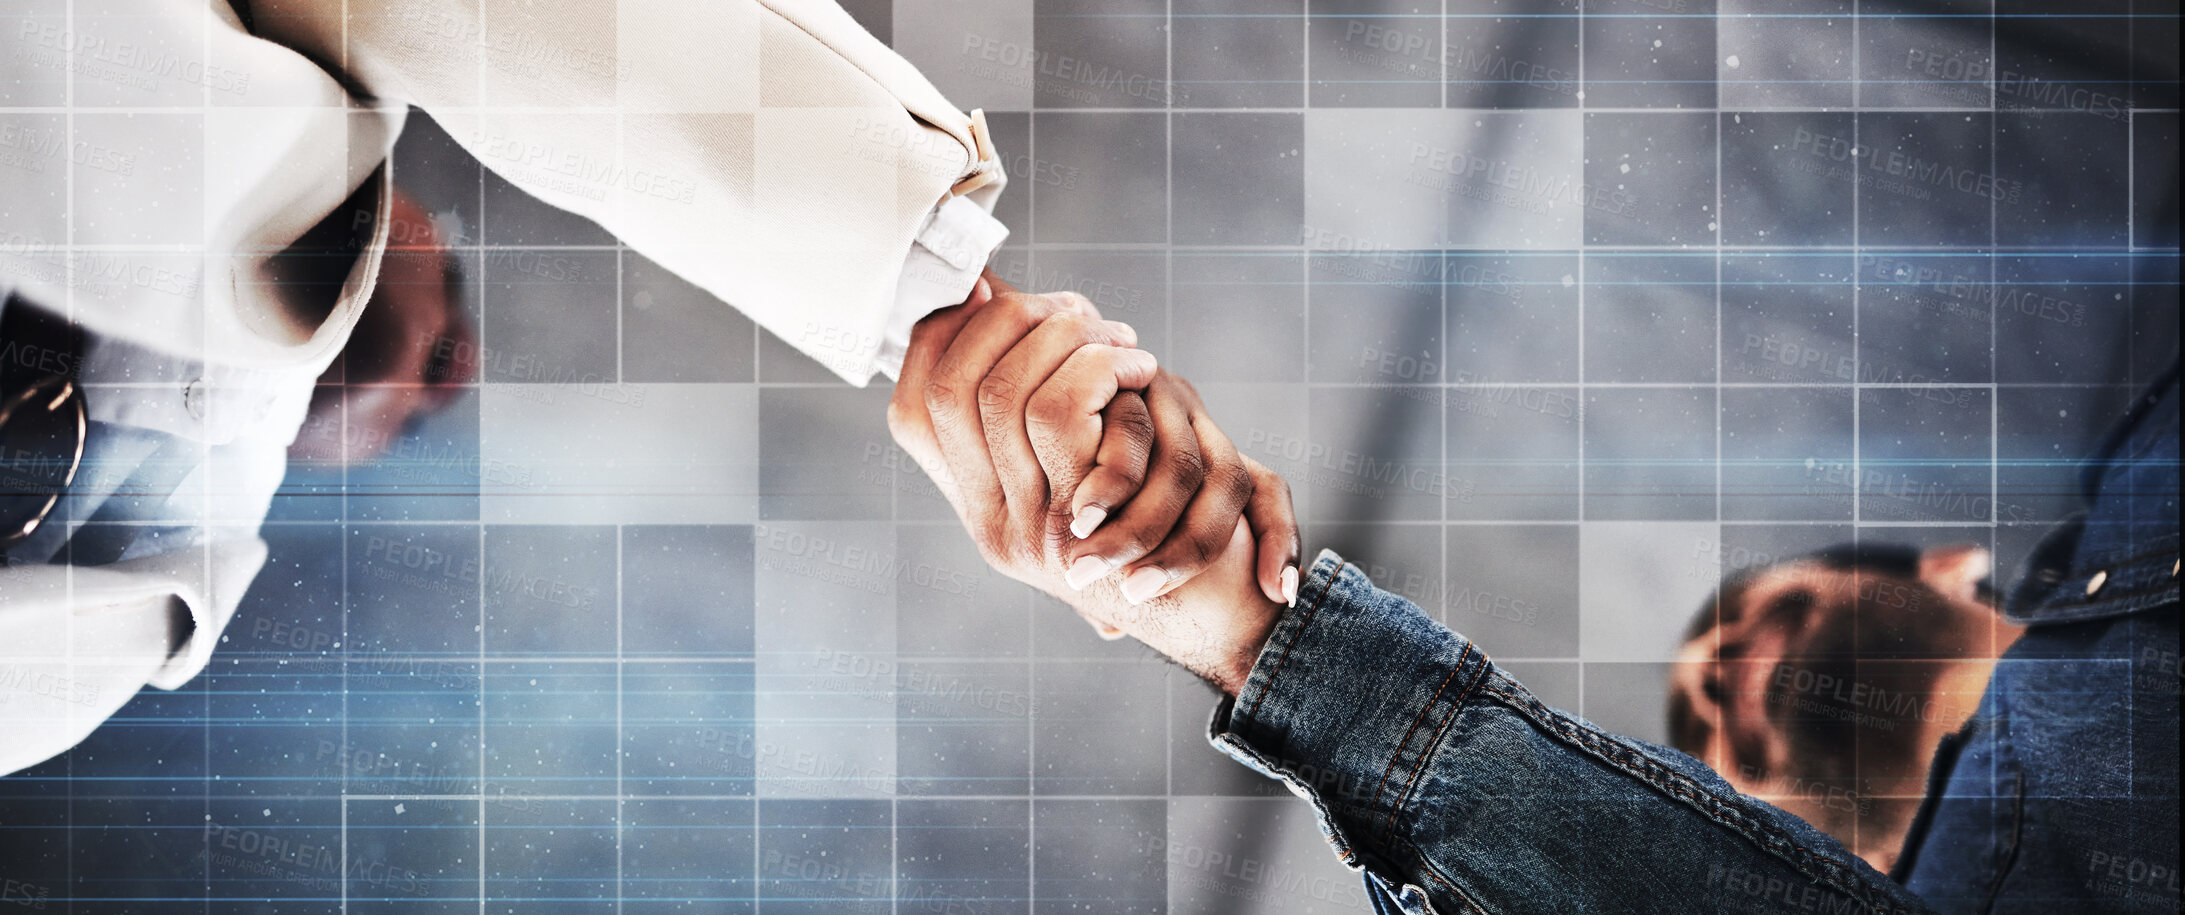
<point>1458,792</point>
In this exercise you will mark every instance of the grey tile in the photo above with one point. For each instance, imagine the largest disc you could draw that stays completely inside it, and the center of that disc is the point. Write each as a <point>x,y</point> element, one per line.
<point>687,590</point>
<point>555,856</point>
<point>1195,768</point>
<point>1252,60</point>
<point>1628,698</point>
<point>440,175</point>
<point>549,589</point>
<point>688,730</point>
<point>514,217</point>
<point>1373,453</point>
<point>1290,869</point>
<point>1376,318</point>
<point>620,453</point>
<point>673,331</point>
<point>1511,588</point>
<point>1514,180</point>
<point>1786,454</point>
<point>1552,682</point>
<point>675,851</point>
<point>780,362</point>
<point>549,317</point>
<point>2042,435</point>
<point>1239,178</point>
<point>1102,857</point>
<point>1787,318</point>
<point>949,602</point>
<point>1768,60</point>
<point>1652,178</point>
<point>1239,317</point>
<point>1526,57</point>
<point>1099,728</point>
<point>1120,168</point>
<point>2154,55</point>
<point>1512,317</point>
<point>1650,317</point>
<point>1514,453</point>
<point>431,471</point>
<point>1375,54</point>
<point>826,856</point>
<point>2062,320</point>
<point>1927,179</point>
<point>2061,179</point>
<point>1370,186</point>
<point>979,53</point>
<point>963,728</point>
<point>1650,454</point>
<point>1787,178</point>
<point>41,23</point>
<point>1127,286</point>
<point>1934,55</point>
<point>413,724</point>
<point>1924,455</point>
<point>432,844</point>
<point>2154,298</point>
<point>812,453</point>
<point>1117,58</point>
<point>1637,58</point>
<point>413,588</point>
<point>2154,187</point>
<point>972,856</point>
<point>1402,559</point>
<point>1925,318</point>
<point>551,726</point>
<point>2068,63</point>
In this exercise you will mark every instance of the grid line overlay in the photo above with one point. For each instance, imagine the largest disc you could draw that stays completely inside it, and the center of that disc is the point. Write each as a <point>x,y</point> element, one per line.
<point>1292,205</point>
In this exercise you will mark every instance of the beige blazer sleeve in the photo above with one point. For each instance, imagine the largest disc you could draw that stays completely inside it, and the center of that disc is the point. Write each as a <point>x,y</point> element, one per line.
<point>770,151</point>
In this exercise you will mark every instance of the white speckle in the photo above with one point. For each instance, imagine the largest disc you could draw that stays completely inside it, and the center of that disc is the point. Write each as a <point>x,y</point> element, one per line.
<point>1569,281</point>
<point>1624,168</point>
<point>398,808</point>
<point>1731,60</point>
<point>266,812</point>
<point>1657,42</point>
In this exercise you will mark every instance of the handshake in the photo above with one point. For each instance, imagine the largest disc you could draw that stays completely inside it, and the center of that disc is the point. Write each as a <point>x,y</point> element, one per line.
<point>1081,467</point>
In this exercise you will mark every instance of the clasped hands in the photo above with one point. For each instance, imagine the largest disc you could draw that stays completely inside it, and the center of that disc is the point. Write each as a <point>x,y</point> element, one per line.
<point>1080,466</point>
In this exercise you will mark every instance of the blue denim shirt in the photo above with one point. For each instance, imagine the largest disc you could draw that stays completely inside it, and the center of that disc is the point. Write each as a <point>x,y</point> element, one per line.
<point>1457,791</point>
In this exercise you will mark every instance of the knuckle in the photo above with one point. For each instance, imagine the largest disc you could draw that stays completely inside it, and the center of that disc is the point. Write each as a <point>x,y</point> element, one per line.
<point>1048,408</point>
<point>997,393</point>
<point>941,397</point>
<point>1188,465</point>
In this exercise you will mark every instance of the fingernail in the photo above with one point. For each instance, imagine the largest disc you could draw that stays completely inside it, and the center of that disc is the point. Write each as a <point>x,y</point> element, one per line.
<point>1085,571</point>
<point>1289,585</point>
<point>1088,520</point>
<point>1143,584</point>
<point>1109,632</point>
<point>1124,332</point>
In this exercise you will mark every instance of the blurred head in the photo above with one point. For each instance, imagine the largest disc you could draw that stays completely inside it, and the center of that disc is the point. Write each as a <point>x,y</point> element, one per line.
<point>1824,684</point>
<point>412,351</point>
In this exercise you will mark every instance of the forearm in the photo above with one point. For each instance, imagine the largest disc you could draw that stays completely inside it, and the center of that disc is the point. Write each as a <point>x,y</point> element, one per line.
<point>1432,768</point>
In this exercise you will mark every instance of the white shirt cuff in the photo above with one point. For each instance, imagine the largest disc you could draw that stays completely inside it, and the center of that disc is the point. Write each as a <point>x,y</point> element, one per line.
<point>944,263</point>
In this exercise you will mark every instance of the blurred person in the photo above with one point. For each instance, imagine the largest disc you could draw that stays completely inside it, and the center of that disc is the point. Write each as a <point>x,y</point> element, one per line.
<point>1454,789</point>
<point>410,355</point>
<point>1826,684</point>
<point>200,206</point>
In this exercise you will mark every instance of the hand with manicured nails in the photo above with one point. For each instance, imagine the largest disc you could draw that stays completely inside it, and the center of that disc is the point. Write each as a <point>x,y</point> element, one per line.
<point>1073,460</point>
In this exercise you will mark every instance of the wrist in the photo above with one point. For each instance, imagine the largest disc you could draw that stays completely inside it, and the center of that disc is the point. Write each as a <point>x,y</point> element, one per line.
<point>1218,621</point>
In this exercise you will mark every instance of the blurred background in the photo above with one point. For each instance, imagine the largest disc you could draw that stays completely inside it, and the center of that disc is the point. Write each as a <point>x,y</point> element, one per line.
<point>1551,313</point>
